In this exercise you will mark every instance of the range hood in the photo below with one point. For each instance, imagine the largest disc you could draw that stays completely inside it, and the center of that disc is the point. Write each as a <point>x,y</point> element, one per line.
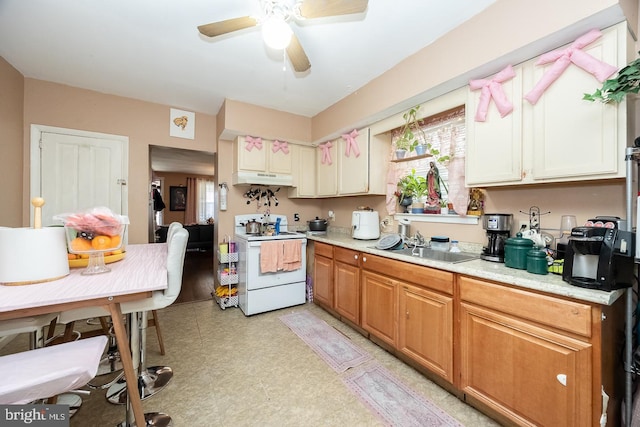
<point>261,178</point>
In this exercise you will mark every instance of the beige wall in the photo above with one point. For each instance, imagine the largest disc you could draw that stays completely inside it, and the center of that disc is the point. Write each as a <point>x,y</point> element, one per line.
<point>11,147</point>
<point>442,66</point>
<point>144,123</point>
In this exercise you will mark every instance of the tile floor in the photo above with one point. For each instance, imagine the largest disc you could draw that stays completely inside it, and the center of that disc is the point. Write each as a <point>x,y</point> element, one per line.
<point>232,370</point>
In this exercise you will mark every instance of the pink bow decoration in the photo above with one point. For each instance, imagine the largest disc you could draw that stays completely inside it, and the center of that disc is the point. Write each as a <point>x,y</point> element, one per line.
<point>326,153</point>
<point>282,146</point>
<point>352,144</point>
<point>253,142</point>
<point>563,58</point>
<point>492,88</point>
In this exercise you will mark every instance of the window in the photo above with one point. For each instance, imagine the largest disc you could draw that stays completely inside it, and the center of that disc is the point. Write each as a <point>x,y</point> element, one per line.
<point>445,133</point>
<point>205,200</point>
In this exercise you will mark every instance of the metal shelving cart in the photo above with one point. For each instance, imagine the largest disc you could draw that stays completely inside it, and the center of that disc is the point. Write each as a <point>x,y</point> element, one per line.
<point>226,293</point>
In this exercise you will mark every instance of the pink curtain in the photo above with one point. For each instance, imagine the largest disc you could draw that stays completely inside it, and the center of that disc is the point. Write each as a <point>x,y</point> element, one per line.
<point>190,212</point>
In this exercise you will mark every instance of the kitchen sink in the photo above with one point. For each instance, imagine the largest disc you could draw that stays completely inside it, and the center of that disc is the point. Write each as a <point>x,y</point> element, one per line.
<point>451,257</point>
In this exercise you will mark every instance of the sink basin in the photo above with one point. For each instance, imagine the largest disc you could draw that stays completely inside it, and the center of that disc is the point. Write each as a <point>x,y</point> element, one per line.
<point>451,257</point>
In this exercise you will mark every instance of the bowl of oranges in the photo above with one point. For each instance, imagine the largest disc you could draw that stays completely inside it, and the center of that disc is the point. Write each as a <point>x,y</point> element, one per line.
<point>95,238</point>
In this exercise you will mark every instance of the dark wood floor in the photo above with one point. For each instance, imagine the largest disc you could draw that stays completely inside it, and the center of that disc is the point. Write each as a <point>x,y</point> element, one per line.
<point>198,280</point>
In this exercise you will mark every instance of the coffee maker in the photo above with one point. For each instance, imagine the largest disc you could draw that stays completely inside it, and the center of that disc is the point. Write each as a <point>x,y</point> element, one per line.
<point>599,257</point>
<point>498,228</point>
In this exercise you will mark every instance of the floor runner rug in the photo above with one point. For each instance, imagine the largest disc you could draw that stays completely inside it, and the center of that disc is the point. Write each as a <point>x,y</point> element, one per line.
<point>332,346</point>
<point>392,401</point>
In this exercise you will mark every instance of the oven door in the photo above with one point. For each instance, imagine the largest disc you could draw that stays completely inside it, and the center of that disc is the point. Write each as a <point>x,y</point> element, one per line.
<point>258,280</point>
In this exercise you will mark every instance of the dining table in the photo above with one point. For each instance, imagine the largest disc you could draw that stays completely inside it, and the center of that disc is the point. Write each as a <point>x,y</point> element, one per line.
<point>142,271</point>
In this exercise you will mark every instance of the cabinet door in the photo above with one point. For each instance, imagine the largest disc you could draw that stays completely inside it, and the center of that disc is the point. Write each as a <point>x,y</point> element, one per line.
<point>531,375</point>
<point>347,284</point>
<point>494,147</point>
<point>254,159</point>
<point>279,162</point>
<point>323,280</point>
<point>327,174</point>
<point>379,306</point>
<point>353,174</point>
<point>303,168</point>
<point>573,138</point>
<point>425,329</point>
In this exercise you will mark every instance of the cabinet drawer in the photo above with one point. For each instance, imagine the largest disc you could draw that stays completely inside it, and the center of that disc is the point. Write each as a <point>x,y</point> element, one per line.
<point>566,315</point>
<point>346,255</point>
<point>419,275</point>
<point>323,249</point>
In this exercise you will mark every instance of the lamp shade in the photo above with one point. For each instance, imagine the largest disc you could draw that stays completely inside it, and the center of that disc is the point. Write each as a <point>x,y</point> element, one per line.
<point>276,33</point>
<point>30,255</point>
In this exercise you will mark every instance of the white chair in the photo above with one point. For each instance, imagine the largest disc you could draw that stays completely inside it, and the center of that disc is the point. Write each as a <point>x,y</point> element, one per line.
<point>49,371</point>
<point>34,326</point>
<point>151,379</point>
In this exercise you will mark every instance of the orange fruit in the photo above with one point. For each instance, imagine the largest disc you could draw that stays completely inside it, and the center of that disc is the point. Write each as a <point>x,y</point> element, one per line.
<point>79,244</point>
<point>115,241</point>
<point>72,256</point>
<point>101,243</point>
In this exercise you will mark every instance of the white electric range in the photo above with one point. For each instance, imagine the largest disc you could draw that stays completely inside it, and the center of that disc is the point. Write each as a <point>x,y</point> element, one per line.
<point>259,292</point>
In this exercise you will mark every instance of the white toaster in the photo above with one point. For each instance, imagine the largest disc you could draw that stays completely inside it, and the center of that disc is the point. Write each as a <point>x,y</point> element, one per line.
<point>365,225</point>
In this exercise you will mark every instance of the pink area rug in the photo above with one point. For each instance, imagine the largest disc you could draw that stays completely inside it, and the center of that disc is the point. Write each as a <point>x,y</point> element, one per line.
<point>392,401</point>
<point>332,346</point>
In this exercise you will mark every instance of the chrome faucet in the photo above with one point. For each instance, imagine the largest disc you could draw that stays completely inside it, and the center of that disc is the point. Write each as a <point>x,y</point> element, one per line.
<point>419,239</point>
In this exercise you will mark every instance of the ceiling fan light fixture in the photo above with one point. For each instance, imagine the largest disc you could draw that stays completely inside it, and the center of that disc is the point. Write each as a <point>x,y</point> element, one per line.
<point>276,33</point>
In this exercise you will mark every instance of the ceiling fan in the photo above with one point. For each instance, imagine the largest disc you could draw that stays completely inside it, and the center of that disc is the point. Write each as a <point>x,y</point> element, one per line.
<point>277,32</point>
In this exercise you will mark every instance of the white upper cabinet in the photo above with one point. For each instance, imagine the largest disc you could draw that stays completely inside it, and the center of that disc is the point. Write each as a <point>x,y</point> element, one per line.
<point>304,176</point>
<point>252,157</point>
<point>494,148</point>
<point>560,138</point>
<point>353,171</point>
<point>262,162</point>
<point>327,169</point>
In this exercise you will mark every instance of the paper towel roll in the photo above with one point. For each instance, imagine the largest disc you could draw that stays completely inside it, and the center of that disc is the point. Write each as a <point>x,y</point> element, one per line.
<point>29,255</point>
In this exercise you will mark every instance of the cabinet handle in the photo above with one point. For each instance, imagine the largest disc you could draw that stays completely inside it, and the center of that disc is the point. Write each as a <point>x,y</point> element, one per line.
<point>562,379</point>
<point>407,314</point>
<point>355,257</point>
<point>364,259</point>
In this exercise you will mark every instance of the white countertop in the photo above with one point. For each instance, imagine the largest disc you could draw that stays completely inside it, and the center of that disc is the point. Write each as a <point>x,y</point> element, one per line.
<point>550,283</point>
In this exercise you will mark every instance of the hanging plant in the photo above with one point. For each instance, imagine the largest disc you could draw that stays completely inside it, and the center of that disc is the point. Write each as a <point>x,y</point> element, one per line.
<point>616,89</point>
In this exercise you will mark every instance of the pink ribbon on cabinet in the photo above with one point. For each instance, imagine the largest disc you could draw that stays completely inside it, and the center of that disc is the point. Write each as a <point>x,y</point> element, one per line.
<point>253,142</point>
<point>326,153</point>
<point>492,88</point>
<point>282,146</point>
<point>352,144</point>
<point>563,58</point>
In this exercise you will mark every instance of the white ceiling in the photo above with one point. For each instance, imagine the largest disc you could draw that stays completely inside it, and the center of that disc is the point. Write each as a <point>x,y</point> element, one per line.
<point>151,49</point>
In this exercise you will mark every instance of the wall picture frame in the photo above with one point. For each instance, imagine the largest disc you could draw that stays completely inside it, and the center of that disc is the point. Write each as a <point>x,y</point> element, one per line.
<point>177,198</point>
<point>182,124</point>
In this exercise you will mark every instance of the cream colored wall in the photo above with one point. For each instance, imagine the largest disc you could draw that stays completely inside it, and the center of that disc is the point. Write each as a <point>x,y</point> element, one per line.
<point>144,123</point>
<point>506,27</point>
<point>11,148</point>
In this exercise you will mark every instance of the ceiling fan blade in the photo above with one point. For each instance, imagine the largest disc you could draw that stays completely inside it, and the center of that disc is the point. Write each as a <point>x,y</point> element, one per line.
<point>223,27</point>
<point>321,8</point>
<point>297,56</point>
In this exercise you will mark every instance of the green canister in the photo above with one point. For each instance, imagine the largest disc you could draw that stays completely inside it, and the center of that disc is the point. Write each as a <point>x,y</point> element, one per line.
<point>537,262</point>
<point>515,251</point>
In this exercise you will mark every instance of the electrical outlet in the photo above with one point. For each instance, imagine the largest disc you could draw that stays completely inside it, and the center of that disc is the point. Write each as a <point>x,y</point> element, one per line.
<point>524,225</point>
<point>332,215</point>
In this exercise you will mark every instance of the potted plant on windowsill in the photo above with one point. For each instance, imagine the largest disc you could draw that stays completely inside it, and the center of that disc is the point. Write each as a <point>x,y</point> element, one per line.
<point>414,187</point>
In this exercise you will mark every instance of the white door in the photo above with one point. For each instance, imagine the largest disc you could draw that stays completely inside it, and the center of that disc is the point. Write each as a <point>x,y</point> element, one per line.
<point>78,170</point>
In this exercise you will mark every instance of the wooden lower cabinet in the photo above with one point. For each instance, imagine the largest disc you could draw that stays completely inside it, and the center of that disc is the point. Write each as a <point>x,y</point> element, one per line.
<point>380,306</point>
<point>425,328</point>
<point>346,280</point>
<point>323,274</point>
<point>525,358</point>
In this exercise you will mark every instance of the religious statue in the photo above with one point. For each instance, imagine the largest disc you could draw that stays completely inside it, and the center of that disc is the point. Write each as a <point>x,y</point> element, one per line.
<point>434,194</point>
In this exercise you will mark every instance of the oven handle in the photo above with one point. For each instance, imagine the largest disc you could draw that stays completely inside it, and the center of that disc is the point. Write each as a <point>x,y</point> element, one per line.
<point>255,244</point>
